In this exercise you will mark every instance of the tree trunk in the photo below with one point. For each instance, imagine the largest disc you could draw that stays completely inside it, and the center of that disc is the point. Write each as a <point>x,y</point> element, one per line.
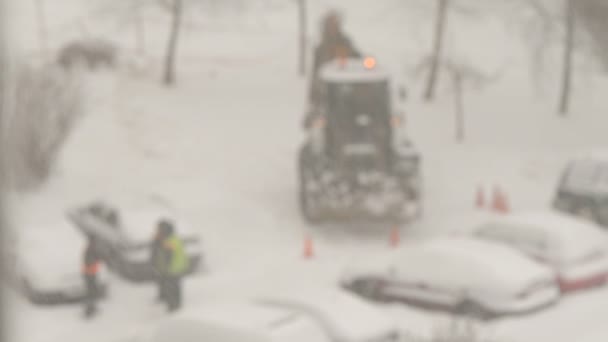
<point>42,28</point>
<point>140,30</point>
<point>3,185</point>
<point>169,78</point>
<point>303,21</point>
<point>459,106</point>
<point>440,23</point>
<point>568,51</point>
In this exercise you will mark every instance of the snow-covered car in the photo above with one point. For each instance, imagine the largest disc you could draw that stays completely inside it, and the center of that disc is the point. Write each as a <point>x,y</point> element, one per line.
<point>344,316</point>
<point>126,236</point>
<point>457,274</point>
<point>47,264</point>
<point>275,320</point>
<point>583,188</point>
<point>577,250</point>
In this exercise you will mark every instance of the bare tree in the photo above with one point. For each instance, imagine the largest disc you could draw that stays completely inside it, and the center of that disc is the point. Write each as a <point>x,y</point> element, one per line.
<point>45,104</point>
<point>42,27</point>
<point>176,8</point>
<point>440,23</point>
<point>303,48</point>
<point>457,79</point>
<point>140,28</point>
<point>568,54</point>
<point>2,175</point>
<point>539,31</point>
<point>463,74</point>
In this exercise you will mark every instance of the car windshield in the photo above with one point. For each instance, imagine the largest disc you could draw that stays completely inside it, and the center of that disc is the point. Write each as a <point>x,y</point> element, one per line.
<point>352,99</point>
<point>358,113</point>
<point>587,175</point>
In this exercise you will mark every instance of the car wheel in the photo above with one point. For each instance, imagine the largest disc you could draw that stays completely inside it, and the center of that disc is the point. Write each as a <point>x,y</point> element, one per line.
<point>308,212</point>
<point>307,205</point>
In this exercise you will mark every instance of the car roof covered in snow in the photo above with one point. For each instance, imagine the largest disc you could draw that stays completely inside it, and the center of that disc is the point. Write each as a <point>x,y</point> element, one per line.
<point>242,321</point>
<point>573,238</point>
<point>352,70</point>
<point>344,316</point>
<point>55,247</point>
<point>472,261</point>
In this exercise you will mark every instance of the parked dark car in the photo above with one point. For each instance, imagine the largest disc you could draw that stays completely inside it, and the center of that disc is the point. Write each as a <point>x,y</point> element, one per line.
<point>583,188</point>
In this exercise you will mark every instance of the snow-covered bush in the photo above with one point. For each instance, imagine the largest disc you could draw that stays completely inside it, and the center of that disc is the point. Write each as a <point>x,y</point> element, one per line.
<point>43,105</point>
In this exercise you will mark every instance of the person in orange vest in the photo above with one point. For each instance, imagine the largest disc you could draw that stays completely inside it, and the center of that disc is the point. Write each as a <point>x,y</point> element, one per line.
<point>90,270</point>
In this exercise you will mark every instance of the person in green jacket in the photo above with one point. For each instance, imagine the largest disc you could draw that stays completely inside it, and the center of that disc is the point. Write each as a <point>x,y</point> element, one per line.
<point>171,263</point>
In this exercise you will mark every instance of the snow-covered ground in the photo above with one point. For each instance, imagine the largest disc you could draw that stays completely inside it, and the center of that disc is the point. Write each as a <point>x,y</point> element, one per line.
<point>221,146</point>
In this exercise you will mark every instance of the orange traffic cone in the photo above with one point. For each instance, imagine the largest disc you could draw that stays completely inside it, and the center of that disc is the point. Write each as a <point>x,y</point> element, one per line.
<point>395,238</point>
<point>500,202</point>
<point>480,200</point>
<point>308,248</point>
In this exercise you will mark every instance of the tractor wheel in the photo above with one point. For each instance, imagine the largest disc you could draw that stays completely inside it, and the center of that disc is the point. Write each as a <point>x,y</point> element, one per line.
<point>308,207</point>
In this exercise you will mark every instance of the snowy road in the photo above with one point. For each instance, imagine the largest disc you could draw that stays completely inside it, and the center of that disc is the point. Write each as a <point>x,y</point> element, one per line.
<point>221,147</point>
<point>228,165</point>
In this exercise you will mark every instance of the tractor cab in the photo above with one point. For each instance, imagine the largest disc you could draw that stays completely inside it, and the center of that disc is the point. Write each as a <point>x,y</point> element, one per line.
<point>356,136</point>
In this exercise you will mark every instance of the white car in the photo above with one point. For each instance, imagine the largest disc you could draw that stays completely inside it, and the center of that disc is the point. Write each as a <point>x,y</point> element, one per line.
<point>276,319</point>
<point>576,249</point>
<point>126,243</point>
<point>47,262</point>
<point>344,316</point>
<point>458,274</point>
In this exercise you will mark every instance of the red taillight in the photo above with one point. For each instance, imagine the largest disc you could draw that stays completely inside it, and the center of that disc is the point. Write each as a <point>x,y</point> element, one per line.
<point>579,284</point>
